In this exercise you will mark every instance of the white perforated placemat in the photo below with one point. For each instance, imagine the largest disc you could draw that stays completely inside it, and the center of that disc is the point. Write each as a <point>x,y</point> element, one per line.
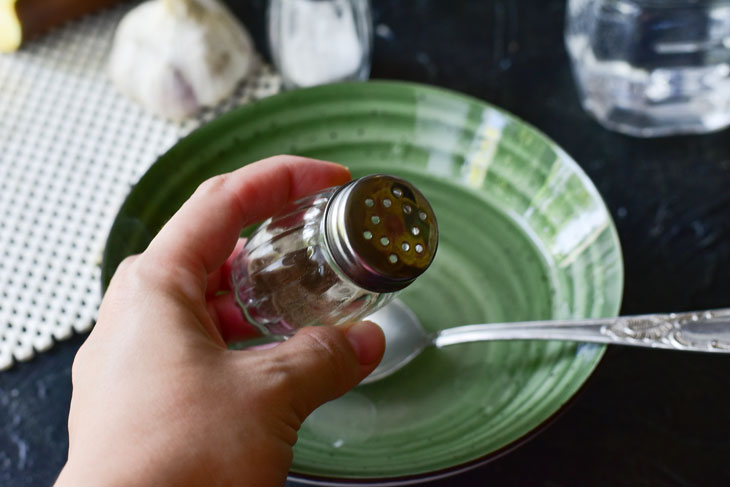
<point>70,148</point>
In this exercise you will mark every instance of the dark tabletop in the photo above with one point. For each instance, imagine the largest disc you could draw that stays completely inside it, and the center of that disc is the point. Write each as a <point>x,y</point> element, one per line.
<point>645,418</point>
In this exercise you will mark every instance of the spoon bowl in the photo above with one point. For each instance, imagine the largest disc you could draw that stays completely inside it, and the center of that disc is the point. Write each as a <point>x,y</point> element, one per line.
<point>405,339</point>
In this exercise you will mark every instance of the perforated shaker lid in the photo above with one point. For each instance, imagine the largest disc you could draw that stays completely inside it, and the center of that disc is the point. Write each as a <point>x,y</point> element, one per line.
<point>381,231</point>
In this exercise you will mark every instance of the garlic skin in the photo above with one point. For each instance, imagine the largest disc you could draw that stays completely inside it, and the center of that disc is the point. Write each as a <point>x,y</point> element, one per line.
<point>175,57</point>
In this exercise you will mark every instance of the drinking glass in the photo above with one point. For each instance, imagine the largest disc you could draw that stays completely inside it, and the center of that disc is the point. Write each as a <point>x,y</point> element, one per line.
<point>320,41</point>
<point>652,67</point>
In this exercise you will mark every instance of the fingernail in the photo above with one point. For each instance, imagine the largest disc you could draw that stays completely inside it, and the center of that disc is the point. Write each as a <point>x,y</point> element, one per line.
<point>368,341</point>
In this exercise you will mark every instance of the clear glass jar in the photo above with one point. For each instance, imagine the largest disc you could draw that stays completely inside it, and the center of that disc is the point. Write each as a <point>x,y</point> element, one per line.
<point>652,67</point>
<point>335,256</point>
<point>315,42</point>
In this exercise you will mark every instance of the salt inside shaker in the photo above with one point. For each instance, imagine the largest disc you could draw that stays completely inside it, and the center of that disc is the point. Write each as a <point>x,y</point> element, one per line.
<point>335,256</point>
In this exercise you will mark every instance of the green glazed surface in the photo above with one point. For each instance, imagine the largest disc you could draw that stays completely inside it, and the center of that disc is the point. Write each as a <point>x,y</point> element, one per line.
<point>523,235</point>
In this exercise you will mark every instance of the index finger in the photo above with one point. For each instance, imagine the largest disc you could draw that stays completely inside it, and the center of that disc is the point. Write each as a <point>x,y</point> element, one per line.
<point>204,232</point>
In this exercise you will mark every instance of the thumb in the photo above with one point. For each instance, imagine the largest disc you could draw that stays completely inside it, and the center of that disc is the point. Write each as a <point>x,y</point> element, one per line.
<point>327,361</point>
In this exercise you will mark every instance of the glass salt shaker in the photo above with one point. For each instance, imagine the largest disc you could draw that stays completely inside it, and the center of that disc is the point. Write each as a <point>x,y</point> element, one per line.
<point>652,67</point>
<point>314,42</point>
<point>335,256</point>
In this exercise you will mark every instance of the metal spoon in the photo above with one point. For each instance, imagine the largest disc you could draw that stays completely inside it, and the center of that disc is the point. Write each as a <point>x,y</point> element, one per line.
<point>699,331</point>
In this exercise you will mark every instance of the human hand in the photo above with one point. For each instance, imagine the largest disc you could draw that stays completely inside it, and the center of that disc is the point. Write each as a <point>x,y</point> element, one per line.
<point>158,398</point>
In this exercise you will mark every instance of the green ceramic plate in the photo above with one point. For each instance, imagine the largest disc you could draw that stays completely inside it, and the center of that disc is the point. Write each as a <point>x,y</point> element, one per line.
<point>524,235</point>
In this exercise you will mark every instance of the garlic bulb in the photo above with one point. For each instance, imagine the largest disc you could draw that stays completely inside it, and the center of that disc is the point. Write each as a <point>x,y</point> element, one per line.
<point>176,56</point>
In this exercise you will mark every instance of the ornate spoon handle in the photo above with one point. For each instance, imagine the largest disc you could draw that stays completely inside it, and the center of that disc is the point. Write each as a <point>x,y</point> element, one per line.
<point>699,331</point>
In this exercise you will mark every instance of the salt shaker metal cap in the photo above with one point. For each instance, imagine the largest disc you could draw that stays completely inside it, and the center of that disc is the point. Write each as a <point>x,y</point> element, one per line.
<point>381,232</point>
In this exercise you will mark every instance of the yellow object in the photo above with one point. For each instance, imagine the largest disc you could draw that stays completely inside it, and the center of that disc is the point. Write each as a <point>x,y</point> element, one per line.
<point>11,33</point>
<point>22,20</point>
